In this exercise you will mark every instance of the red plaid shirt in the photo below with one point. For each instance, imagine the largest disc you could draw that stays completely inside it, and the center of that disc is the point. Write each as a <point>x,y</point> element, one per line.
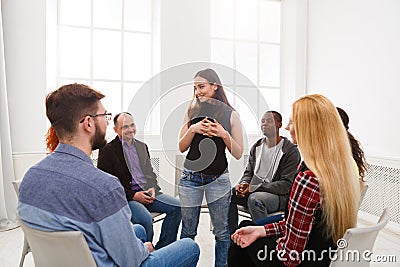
<point>304,201</point>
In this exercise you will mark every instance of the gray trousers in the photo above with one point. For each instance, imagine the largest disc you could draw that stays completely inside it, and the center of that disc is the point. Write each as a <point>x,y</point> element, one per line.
<point>260,205</point>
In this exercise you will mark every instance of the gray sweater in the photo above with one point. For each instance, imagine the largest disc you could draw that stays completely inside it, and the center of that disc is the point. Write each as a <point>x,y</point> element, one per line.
<point>283,178</point>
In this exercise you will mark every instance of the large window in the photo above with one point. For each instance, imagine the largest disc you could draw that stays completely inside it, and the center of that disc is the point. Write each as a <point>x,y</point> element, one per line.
<point>245,35</point>
<point>106,44</point>
<point>111,46</point>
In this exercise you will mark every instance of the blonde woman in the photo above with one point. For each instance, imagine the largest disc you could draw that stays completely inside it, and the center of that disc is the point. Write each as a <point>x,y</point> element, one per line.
<point>323,201</point>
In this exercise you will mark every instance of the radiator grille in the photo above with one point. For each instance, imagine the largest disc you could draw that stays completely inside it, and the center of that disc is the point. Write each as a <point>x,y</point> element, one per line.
<point>383,191</point>
<point>245,161</point>
<point>155,162</point>
<point>94,156</point>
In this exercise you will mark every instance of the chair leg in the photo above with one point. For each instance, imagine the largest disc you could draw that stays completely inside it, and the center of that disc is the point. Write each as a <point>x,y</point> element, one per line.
<point>25,251</point>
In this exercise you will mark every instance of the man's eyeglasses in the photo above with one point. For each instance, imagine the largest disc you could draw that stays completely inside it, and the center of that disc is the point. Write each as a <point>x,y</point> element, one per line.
<point>106,115</point>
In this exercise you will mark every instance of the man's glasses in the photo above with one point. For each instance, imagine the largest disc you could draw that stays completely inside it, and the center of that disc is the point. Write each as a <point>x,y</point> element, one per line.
<point>106,115</point>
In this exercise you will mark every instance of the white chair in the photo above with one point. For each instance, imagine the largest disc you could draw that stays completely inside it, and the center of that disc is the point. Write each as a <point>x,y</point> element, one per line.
<point>60,248</point>
<point>157,216</point>
<point>356,241</point>
<point>244,212</point>
<point>16,185</point>
<point>363,191</point>
<point>25,249</point>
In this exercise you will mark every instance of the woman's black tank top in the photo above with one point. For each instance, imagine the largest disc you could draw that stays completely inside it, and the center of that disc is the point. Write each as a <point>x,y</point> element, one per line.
<point>207,154</point>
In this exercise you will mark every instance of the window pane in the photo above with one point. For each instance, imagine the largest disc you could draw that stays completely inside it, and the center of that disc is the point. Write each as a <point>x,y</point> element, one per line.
<point>107,14</point>
<point>137,57</point>
<point>137,15</point>
<point>230,96</point>
<point>272,97</point>
<point>247,108</point>
<point>112,92</point>
<point>246,19</point>
<point>69,81</point>
<point>106,54</point>
<point>74,56</point>
<point>153,124</point>
<point>111,101</point>
<point>270,21</point>
<point>129,92</point>
<point>222,52</point>
<point>227,75</point>
<point>269,65</point>
<point>140,105</point>
<point>75,12</point>
<point>246,63</point>
<point>221,18</point>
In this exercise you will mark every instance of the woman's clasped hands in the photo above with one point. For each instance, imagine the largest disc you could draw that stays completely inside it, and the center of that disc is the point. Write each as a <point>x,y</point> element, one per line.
<point>209,127</point>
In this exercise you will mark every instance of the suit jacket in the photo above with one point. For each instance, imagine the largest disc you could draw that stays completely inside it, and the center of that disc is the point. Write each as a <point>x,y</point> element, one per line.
<point>112,160</point>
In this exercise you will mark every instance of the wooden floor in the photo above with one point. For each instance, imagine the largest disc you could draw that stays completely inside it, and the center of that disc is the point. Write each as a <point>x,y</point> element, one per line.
<point>387,243</point>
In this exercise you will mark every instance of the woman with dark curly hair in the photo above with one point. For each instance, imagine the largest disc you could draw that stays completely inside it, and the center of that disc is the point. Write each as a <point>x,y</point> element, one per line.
<point>358,153</point>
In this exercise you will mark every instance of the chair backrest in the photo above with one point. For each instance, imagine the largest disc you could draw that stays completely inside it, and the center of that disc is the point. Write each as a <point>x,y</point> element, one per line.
<point>179,161</point>
<point>363,191</point>
<point>354,246</point>
<point>157,216</point>
<point>61,249</point>
<point>16,185</point>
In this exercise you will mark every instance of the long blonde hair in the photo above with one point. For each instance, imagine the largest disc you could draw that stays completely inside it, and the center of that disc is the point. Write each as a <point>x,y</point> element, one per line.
<point>324,144</point>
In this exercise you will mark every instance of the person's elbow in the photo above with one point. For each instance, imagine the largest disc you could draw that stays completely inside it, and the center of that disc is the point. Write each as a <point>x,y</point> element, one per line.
<point>237,153</point>
<point>182,147</point>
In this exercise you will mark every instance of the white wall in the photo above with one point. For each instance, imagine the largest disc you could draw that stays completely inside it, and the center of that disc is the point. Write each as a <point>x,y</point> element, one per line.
<point>354,59</point>
<point>184,29</point>
<point>24,25</point>
<point>293,53</point>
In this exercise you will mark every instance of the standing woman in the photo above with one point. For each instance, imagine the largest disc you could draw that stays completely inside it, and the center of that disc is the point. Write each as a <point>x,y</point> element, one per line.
<point>324,199</point>
<point>211,125</point>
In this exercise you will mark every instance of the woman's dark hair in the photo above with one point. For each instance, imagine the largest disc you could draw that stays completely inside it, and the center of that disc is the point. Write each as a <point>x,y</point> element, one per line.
<point>212,78</point>
<point>358,153</point>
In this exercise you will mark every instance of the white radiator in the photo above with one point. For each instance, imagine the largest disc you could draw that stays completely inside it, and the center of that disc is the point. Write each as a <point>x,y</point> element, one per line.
<point>383,179</point>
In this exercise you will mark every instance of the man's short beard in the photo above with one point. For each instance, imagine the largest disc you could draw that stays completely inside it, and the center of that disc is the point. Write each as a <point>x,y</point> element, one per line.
<point>128,139</point>
<point>98,141</point>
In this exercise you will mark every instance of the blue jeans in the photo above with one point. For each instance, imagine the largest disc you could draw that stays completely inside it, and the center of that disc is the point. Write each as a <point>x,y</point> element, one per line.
<point>163,204</point>
<point>140,232</point>
<point>184,252</point>
<point>271,219</point>
<point>192,187</point>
